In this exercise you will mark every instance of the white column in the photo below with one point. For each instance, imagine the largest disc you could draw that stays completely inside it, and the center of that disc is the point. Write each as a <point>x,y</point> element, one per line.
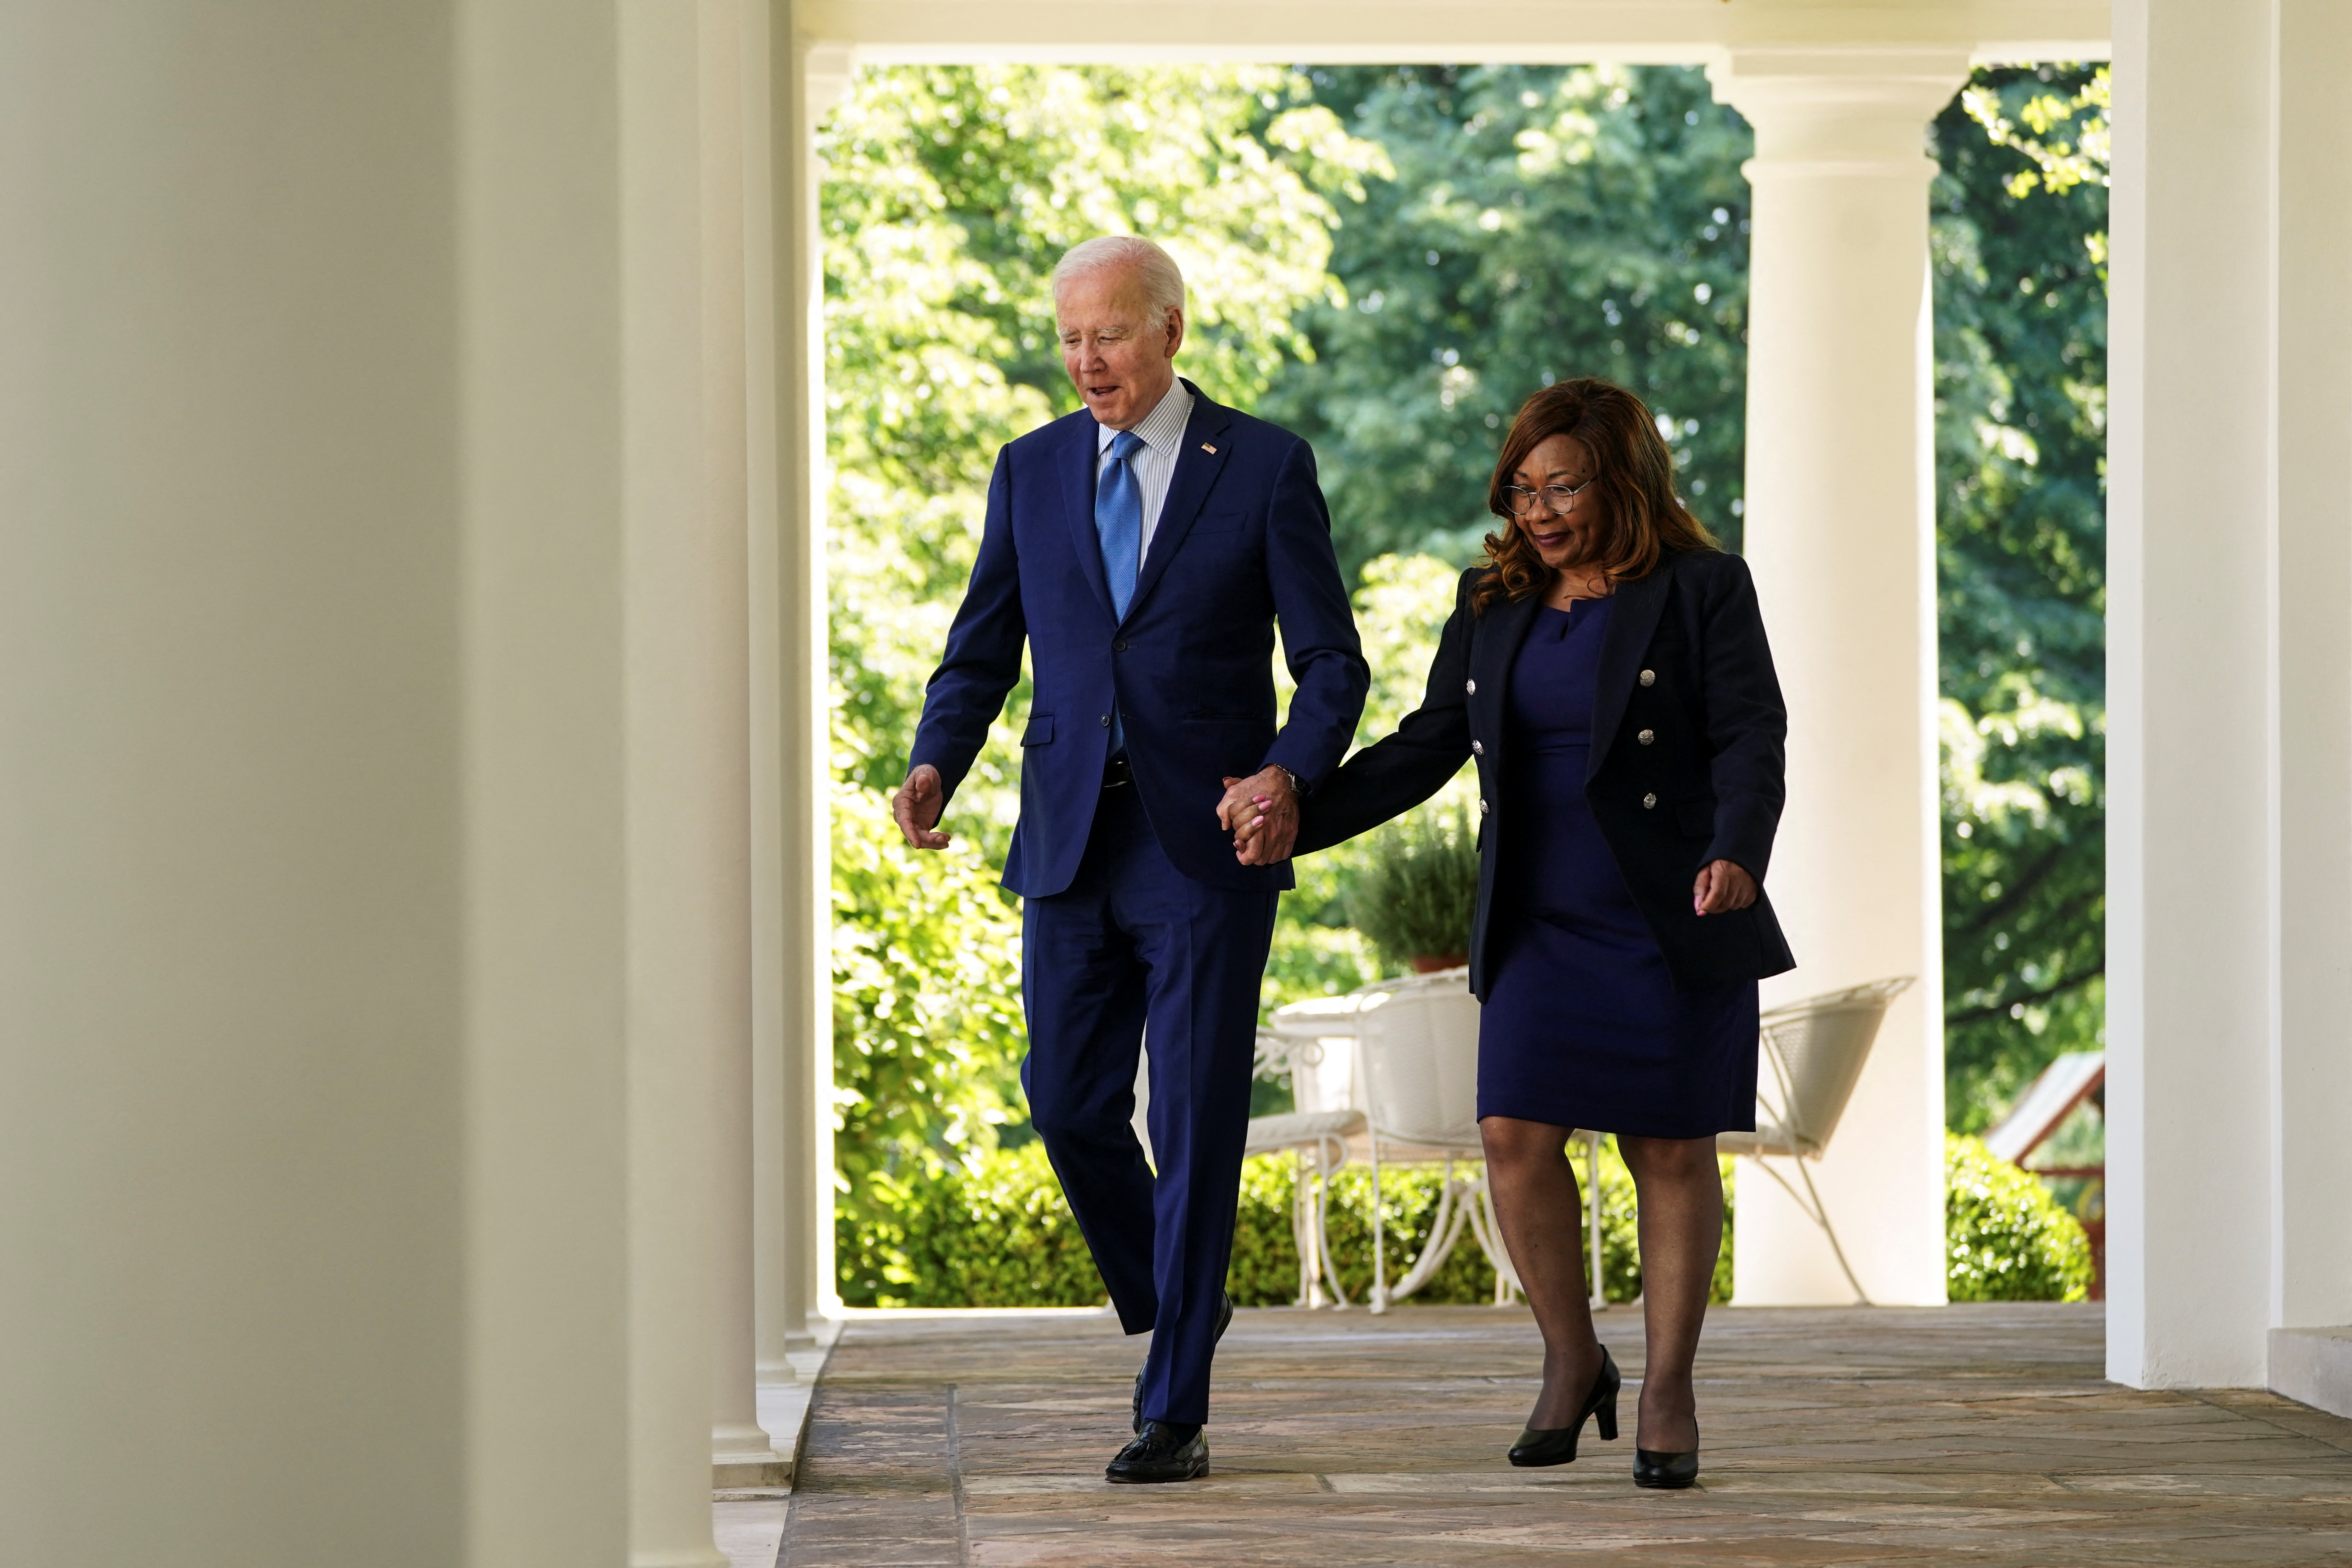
<point>1840,530</point>
<point>774,1322</point>
<point>793,915</point>
<point>232,988</point>
<point>2231,713</point>
<point>2311,1081</point>
<point>2192,779</point>
<point>740,1453</point>
<point>680,702</point>
<point>538,412</point>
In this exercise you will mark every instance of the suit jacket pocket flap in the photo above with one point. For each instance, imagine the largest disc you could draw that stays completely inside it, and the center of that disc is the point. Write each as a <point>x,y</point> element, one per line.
<point>1040,731</point>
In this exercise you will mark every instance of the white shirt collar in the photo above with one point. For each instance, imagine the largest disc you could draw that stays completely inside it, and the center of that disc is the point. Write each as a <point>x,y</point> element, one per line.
<point>1161,428</point>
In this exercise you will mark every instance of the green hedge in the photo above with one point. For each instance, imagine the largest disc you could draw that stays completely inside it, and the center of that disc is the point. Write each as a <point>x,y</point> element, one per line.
<point>2009,1240</point>
<point>1002,1235</point>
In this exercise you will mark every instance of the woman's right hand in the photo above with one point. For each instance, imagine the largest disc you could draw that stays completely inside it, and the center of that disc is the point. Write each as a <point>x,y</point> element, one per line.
<point>1722,886</point>
<point>1262,813</point>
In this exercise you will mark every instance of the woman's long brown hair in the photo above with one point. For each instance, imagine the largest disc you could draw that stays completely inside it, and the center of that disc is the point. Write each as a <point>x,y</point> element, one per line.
<point>1634,477</point>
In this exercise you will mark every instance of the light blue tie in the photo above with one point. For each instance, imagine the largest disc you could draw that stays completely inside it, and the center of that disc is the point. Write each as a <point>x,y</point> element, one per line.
<point>1118,521</point>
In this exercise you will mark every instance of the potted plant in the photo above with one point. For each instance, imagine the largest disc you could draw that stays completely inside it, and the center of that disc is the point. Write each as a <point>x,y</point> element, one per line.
<point>1418,892</point>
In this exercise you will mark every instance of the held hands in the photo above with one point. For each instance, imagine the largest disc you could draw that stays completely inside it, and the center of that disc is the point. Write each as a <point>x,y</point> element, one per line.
<point>917,805</point>
<point>1262,813</point>
<point>1721,888</point>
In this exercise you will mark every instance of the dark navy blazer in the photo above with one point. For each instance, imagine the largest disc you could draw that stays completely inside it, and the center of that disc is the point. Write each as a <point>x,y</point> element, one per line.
<point>1243,540</point>
<point>1688,731</point>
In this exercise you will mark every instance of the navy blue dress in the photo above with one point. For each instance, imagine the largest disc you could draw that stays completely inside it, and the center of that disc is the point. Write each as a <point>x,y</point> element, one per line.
<point>1583,1026</point>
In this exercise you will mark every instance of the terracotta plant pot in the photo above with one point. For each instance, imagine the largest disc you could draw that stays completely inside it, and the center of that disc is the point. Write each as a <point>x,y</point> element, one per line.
<point>1431,963</point>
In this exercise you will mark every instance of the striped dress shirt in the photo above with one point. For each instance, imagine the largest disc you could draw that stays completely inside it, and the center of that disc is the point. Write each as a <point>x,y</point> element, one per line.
<point>1162,432</point>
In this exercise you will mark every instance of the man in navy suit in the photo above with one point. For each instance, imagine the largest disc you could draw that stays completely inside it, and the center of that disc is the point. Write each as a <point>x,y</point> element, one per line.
<point>1144,547</point>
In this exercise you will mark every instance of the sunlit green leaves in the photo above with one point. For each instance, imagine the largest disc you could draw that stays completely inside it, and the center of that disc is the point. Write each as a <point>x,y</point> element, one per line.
<point>949,193</point>
<point>2006,1238</point>
<point>1545,222</point>
<point>927,1024</point>
<point>2021,384</point>
<point>2065,132</point>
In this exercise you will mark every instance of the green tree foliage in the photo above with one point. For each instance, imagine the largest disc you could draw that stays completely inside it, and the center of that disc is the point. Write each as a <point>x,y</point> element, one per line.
<point>950,192</point>
<point>927,1026</point>
<point>1544,222</point>
<point>2019,251</point>
<point>1550,221</point>
<point>1586,220</point>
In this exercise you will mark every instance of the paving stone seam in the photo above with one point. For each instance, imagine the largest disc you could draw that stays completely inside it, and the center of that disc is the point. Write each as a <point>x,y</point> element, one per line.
<point>955,1480</point>
<point>2245,1413</point>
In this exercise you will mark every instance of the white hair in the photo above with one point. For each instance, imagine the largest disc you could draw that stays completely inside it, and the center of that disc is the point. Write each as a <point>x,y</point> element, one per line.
<point>1153,269</point>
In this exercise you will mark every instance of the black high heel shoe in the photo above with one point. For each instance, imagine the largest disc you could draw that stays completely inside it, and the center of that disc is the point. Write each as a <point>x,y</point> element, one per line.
<point>1664,1472</point>
<point>1557,1444</point>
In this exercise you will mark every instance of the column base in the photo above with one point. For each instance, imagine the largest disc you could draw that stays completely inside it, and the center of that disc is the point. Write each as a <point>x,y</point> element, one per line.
<point>744,1457</point>
<point>2314,1367</point>
<point>773,1473</point>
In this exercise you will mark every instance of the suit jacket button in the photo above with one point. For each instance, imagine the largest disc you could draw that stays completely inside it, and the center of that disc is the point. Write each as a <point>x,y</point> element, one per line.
<point>1470,688</point>
<point>1104,721</point>
<point>1478,748</point>
<point>1649,802</point>
<point>1646,736</point>
<point>1120,646</point>
<point>1649,678</point>
<point>1482,807</point>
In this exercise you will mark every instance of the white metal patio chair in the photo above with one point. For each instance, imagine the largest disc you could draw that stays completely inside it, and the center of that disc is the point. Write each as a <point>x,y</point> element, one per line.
<point>1814,1050</point>
<point>1316,1134</point>
<point>1417,1044</point>
<point>1338,1028</point>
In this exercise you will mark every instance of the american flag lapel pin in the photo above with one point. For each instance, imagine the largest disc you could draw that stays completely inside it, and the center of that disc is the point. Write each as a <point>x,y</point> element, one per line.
<point>1206,448</point>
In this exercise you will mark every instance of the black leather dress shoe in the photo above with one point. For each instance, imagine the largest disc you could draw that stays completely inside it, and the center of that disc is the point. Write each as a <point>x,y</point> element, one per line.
<point>1135,1403</point>
<point>1664,1472</point>
<point>1557,1444</point>
<point>1161,1453</point>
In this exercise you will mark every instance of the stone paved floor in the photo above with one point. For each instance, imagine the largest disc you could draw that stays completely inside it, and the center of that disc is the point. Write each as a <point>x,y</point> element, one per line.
<point>1980,1434</point>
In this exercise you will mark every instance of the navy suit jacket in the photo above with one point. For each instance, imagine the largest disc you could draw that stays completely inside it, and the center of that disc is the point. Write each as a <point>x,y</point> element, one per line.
<point>1686,764</point>
<point>1244,540</point>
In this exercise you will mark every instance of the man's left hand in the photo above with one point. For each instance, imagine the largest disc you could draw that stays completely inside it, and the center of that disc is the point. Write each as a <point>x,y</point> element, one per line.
<point>1262,813</point>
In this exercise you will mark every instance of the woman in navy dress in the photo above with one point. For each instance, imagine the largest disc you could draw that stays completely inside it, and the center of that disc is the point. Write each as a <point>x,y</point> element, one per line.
<point>1606,667</point>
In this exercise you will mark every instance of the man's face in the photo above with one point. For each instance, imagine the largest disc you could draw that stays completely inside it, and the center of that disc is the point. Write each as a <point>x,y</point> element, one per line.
<point>1117,355</point>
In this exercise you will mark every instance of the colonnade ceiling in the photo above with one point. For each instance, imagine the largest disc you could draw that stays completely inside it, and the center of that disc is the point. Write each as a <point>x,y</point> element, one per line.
<point>1342,32</point>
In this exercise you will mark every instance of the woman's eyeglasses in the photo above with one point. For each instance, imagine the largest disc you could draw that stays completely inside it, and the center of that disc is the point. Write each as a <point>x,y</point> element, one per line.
<point>1557,499</point>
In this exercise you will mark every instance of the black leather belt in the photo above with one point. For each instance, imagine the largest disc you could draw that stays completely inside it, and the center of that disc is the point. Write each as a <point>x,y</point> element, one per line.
<point>1117,774</point>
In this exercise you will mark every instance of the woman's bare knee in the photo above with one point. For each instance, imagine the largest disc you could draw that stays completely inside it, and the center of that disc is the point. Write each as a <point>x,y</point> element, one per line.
<point>1515,1144</point>
<point>1668,1159</point>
